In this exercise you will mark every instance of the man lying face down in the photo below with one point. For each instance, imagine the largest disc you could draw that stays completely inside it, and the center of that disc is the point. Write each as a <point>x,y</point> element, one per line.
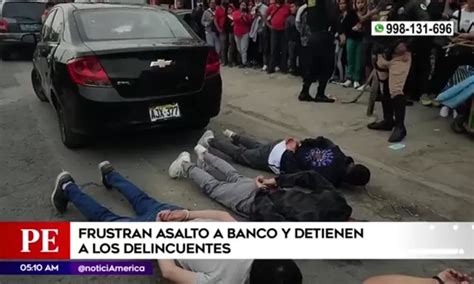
<point>290,156</point>
<point>301,196</point>
<point>150,210</point>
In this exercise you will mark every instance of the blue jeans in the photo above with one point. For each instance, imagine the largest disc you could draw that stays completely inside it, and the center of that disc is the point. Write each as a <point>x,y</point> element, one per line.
<point>145,207</point>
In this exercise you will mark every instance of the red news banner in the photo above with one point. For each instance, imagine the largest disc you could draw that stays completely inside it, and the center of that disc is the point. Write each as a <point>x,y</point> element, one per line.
<point>35,240</point>
<point>235,240</point>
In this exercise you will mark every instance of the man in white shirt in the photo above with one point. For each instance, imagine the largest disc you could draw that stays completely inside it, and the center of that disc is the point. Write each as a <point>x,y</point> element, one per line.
<point>249,152</point>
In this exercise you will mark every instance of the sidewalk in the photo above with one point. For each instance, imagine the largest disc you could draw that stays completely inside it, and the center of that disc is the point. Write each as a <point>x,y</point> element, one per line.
<point>435,169</point>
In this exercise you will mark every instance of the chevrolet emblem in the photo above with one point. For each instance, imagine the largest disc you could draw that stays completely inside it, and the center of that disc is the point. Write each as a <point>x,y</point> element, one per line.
<point>161,63</point>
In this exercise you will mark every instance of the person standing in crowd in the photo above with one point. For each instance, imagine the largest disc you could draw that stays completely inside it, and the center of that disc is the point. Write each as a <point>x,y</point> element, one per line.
<point>458,54</point>
<point>257,33</point>
<point>229,30</point>
<point>209,23</point>
<point>276,18</point>
<point>196,16</point>
<point>242,23</point>
<point>293,37</point>
<point>393,65</point>
<point>219,21</point>
<point>340,53</point>
<point>365,25</point>
<point>353,34</point>
<point>319,22</point>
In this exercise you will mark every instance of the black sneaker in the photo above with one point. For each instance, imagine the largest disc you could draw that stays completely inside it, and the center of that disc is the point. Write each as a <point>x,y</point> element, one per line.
<point>324,99</point>
<point>58,198</point>
<point>105,168</point>
<point>383,125</point>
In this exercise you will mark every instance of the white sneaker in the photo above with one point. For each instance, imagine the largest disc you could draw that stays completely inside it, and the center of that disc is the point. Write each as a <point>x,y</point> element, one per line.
<point>204,140</point>
<point>444,112</point>
<point>277,69</point>
<point>228,133</point>
<point>265,67</point>
<point>455,113</point>
<point>176,168</point>
<point>356,85</point>
<point>200,151</point>
<point>347,84</point>
<point>363,87</point>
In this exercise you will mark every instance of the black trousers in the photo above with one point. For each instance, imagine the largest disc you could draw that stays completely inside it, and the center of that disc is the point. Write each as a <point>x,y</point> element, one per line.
<point>445,67</point>
<point>278,50</point>
<point>245,151</point>
<point>418,78</point>
<point>293,55</point>
<point>318,60</point>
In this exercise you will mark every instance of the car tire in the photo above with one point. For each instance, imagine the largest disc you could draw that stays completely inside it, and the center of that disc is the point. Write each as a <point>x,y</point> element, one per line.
<point>70,139</point>
<point>199,124</point>
<point>36,82</point>
<point>5,56</point>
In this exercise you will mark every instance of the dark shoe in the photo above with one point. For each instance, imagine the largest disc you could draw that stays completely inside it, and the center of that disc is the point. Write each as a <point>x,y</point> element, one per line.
<point>241,66</point>
<point>381,125</point>
<point>105,168</point>
<point>305,97</point>
<point>323,99</point>
<point>398,133</point>
<point>230,65</point>
<point>458,125</point>
<point>58,197</point>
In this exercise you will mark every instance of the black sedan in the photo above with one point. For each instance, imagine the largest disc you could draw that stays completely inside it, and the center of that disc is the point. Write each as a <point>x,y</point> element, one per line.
<point>18,20</point>
<point>123,67</point>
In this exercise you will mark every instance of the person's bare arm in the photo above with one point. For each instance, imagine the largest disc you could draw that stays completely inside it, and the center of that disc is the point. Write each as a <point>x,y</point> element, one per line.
<point>397,279</point>
<point>182,215</point>
<point>448,276</point>
<point>468,36</point>
<point>174,273</point>
<point>216,215</point>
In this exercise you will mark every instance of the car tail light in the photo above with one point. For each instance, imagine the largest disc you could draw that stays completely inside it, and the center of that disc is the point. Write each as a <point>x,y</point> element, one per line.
<point>3,25</point>
<point>87,71</point>
<point>213,64</point>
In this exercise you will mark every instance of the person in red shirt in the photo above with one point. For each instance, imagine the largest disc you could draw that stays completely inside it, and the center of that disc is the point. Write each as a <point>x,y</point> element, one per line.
<point>242,24</point>
<point>276,19</point>
<point>219,21</point>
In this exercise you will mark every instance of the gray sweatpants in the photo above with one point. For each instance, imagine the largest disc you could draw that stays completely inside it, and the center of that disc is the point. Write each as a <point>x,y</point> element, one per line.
<point>236,192</point>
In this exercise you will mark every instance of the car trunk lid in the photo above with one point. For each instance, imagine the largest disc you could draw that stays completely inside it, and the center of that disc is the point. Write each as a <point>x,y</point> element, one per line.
<point>143,69</point>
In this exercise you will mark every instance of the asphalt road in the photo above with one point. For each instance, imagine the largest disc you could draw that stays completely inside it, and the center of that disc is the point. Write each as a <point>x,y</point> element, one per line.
<point>32,154</point>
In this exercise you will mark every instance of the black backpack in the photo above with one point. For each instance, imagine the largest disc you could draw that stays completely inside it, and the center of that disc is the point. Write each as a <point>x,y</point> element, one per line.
<point>294,205</point>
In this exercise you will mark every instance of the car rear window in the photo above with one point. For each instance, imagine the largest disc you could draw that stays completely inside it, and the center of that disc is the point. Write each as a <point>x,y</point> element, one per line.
<point>24,10</point>
<point>130,23</point>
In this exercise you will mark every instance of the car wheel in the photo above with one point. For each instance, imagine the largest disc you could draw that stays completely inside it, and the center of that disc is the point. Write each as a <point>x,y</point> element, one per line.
<point>199,124</point>
<point>5,55</point>
<point>70,139</point>
<point>36,81</point>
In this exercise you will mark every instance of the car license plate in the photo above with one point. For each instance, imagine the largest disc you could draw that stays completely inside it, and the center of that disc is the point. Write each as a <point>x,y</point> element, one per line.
<point>164,112</point>
<point>30,27</point>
